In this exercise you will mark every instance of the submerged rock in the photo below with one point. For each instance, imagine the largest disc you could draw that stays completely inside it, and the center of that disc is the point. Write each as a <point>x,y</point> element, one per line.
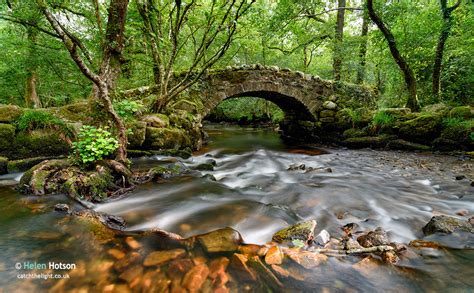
<point>222,240</point>
<point>322,238</point>
<point>301,231</point>
<point>447,225</point>
<point>157,258</point>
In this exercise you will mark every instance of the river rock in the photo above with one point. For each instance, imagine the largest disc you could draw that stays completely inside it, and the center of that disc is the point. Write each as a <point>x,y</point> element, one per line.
<point>322,238</point>
<point>307,259</point>
<point>266,274</point>
<point>62,207</point>
<point>222,240</point>
<point>157,258</point>
<point>274,256</point>
<point>329,105</point>
<point>218,266</point>
<point>303,231</point>
<point>447,225</point>
<point>374,238</point>
<point>239,263</point>
<point>156,120</point>
<point>195,278</point>
<point>131,274</point>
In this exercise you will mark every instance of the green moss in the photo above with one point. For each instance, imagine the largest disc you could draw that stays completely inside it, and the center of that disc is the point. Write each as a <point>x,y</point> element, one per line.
<point>369,141</point>
<point>24,164</point>
<point>7,135</point>
<point>38,143</point>
<point>166,138</point>
<point>3,165</point>
<point>137,133</point>
<point>75,112</point>
<point>423,129</point>
<point>354,132</point>
<point>464,112</point>
<point>9,113</point>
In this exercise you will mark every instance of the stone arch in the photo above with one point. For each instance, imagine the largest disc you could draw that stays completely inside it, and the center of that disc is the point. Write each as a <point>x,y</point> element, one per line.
<point>294,104</point>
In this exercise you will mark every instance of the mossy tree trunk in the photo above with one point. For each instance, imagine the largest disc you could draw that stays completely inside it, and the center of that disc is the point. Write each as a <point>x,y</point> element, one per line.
<point>337,58</point>
<point>32,99</point>
<point>445,31</point>
<point>106,79</point>
<point>363,47</point>
<point>410,80</point>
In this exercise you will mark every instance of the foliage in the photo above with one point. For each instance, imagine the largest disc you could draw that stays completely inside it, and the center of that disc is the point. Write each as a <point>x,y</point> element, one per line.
<point>380,120</point>
<point>93,144</point>
<point>298,243</point>
<point>247,110</point>
<point>37,119</point>
<point>127,109</point>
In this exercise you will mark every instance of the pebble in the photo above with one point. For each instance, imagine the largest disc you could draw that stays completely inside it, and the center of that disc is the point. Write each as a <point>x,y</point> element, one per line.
<point>160,257</point>
<point>322,238</point>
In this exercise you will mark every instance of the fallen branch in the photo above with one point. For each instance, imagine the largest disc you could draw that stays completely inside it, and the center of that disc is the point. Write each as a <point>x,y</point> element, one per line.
<point>380,248</point>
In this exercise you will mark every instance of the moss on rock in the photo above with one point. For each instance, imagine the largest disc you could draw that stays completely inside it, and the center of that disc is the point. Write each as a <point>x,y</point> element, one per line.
<point>3,165</point>
<point>38,143</point>
<point>369,141</point>
<point>137,133</point>
<point>166,138</point>
<point>422,129</point>
<point>9,113</point>
<point>156,120</point>
<point>7,135</point>
<point>464,112</point>
<point>25,164</point>
<point>400,144</point>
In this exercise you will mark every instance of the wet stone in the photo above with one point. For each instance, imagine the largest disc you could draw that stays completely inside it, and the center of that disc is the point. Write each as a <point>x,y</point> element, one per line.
<point>218,266</point>
<point>131,274</point>
<point>447,225</point>
<point>322,238</point>
<point>160,257</point>
<point>62,207</point>
<point>281,272</point>
<point>239,263</point>
<point>274,256</point>
<point>195,278</point>
<point>117,254</point>
<point>374,238</point>
<point>307,259</point>
<point>301,231</point>
<point>222,240</point>
<point>132,243</point>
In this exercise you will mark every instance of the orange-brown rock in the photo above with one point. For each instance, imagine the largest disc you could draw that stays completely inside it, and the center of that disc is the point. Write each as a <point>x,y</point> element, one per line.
<point>132,243</point>
<point>264,273</point>
<point>195,278</point>
<point>128,260</point>
<point>115,253</point>
<point>280,271</point>
<point>217,266</point>
<point>222,240</point>
<point>423,244</point>
<point>249,249</point>
<point>390,257</point>
<point>274,256</point>
<point>239,263</point>
<point>160,257</point>
<point>131,273</point>
<point>307,259</point>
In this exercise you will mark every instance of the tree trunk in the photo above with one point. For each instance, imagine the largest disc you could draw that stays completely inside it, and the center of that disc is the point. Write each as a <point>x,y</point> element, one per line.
<point>410,80</point>
<point>445,30</point>
<point>32,99</point>
<point>337,58</point>
<point>363,48</point>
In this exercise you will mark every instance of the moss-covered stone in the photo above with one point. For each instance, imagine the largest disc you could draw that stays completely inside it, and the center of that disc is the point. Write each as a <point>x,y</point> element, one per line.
<point>460,133</point>
<point>423,129</point>
<point>354,132</point>
<point>156,120</point>
<point>439,108</point>
<point>3,165</point>
<point>25,164</point>
<point>137,133</point>
<point>166,138</point>
<point>38,143</point>
<point>369,141</point>
<point>7,135</point>
<point>400,144</point>
<point>138,153</point>
<point>445,145</point>
<point>183,153</point>
<point>464,112</point>
<point>77,112</point>
<point>9,113</point>
<point>301,231</point>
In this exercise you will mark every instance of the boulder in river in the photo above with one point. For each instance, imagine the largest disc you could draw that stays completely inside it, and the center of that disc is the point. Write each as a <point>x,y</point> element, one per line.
<point>374,238</point>
<point>303,231</point>
<point>222,240</point>
<point>447,225</point>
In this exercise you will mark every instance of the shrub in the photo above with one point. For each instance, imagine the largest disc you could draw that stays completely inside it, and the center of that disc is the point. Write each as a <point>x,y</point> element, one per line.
<point>127,109</point>
<point>93,144</point>
<point>380,120</point>
<point>32,120</point>
<point>355,116</point>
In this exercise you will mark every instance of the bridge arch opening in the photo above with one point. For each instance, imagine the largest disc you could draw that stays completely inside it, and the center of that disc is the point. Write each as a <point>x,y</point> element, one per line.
<point>291,107</point>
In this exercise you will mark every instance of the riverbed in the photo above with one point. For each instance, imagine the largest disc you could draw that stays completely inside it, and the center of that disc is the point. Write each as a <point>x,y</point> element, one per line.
<point>258,185</point>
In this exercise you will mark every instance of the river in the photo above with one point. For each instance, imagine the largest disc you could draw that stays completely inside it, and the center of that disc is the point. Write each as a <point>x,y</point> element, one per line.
<point>259,186</point>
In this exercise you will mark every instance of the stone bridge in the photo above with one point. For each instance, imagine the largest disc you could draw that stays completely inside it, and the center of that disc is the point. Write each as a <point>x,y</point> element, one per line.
<point>301,96</point>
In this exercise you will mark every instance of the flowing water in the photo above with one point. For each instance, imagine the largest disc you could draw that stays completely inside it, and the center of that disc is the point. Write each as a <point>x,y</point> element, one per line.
<point>251,190</point>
